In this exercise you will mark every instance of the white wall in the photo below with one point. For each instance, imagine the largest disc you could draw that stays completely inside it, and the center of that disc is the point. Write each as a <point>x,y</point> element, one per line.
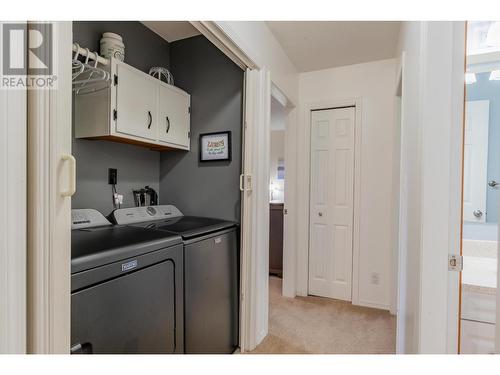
<point>374,83</point>
<point>259,43</point>
<point>431,184</point>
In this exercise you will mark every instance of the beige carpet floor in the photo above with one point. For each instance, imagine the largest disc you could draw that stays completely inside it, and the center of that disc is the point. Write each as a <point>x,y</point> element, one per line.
<point>319,325</point>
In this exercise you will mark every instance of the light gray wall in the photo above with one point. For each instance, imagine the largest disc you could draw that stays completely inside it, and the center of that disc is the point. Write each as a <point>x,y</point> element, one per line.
<point>137,166</point>
<point>216,87</point>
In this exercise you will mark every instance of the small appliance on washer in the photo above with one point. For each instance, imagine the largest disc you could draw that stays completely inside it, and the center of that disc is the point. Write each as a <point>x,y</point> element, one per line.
<point>126,288</point>
<point>211,277</point>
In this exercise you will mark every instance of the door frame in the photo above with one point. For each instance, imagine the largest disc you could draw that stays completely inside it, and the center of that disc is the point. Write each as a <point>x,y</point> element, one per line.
<point>302,236</point>
<point>457,33</point>
<point>400,251</point>
<point>289,231</point>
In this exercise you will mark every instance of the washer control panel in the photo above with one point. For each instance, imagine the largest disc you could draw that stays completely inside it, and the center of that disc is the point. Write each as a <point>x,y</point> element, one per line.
<point>151,211</point>
<point>147,213</point>
<point>87,218</point>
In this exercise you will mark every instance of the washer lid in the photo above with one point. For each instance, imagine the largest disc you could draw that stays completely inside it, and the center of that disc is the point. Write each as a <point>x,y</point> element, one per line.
<point>191,226</point>
<point>94,247</point>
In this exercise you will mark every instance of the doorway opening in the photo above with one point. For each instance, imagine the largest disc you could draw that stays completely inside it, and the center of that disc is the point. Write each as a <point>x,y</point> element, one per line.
<point>276,186</point>
<point>317,322</point>
<point>481,193</point>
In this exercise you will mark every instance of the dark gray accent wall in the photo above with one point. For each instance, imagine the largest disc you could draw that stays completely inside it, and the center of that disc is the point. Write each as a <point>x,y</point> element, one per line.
<point>143,47</point>
<point>137,166</point>
<point>216,87</point>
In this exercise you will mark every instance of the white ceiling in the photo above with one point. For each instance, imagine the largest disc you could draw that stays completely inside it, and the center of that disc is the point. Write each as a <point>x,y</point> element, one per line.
<point>315,45</point>
<point>172,30</point>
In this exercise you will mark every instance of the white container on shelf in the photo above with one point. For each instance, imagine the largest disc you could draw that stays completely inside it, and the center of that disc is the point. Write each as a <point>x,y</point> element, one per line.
<point>112,46</point>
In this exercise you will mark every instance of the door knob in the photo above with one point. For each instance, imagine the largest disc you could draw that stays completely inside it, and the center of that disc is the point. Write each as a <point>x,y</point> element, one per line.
<point>493,183</point>
<point>478,213</point>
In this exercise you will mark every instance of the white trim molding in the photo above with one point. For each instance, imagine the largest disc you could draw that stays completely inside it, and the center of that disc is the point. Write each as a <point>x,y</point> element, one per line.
<point>400,232</point>
<point>456,133</point>
<point>13,138</point>
<point>289,287</point>
<point>49,212</point>
<point>225,42</point>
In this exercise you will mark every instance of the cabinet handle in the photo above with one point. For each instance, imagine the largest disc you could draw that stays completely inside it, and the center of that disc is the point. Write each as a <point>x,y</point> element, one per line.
<point>150,119</point>
<point>168,123</point>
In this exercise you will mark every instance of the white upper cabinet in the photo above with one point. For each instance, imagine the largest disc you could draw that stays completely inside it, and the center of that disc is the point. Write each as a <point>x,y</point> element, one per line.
<point>137,109</point>
<point>136,103</point>
<point>174,117</point>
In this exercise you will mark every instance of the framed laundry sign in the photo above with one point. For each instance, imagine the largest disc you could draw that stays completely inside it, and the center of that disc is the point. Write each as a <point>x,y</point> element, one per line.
<point>215,146</point>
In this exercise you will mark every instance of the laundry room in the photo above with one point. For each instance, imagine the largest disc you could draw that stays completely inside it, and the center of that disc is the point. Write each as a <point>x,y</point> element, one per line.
<point>157,120</point>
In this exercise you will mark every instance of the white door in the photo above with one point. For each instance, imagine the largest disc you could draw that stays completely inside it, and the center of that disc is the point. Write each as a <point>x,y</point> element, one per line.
<point>51,182</point>
<point>254,184</point>
<point>476,160</point>
<point>136,103</point>
<point>173,116</point>
<point>331,203</point>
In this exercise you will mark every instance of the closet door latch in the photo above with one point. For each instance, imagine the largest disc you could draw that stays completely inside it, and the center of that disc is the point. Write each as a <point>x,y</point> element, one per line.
<point>455,263</point>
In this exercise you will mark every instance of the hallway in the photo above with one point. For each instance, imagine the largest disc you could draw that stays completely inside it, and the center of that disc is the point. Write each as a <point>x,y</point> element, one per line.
<point>324,326</point>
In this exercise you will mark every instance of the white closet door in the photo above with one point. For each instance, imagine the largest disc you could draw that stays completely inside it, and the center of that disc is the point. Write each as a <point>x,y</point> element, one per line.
<point>331,203</point>
<point>477,114</point>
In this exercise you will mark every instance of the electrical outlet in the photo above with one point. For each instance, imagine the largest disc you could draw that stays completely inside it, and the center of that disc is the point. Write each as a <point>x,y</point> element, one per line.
<point>112,176</point>
<point>375,279</point>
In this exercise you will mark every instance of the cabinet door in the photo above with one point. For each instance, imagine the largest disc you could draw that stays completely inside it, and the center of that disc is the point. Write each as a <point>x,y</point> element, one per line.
<point>136,103</point>
<point>174,117</point>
